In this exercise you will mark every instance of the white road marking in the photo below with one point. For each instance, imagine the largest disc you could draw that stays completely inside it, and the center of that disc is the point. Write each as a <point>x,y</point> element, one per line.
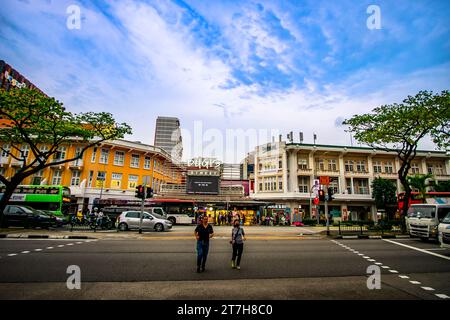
<point>37,249</point>
<point>366,257</point>
<point>415,282</point>
<point>25,251</point>
<point>385,267</point>
<point>442,296</point>
<point>417,249</point>
<point>360,254</point>
<point>378,263</point>
<point>60,246</point>
<point>371,260</point>
<point>427,288</point>
<point>70,244</point>
<point>79,242</point>
<point>404,277</point>
<point>393,271</point>
<point>49,247</point>
<point>12,254</point>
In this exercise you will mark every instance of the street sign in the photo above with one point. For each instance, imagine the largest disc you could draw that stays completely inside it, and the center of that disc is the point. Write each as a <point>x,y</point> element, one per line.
<point>324,180</point>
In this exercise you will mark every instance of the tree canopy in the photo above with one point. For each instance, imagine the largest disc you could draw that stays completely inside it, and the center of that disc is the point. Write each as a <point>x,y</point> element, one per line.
<point>32,118</point>
<point>400,127</point>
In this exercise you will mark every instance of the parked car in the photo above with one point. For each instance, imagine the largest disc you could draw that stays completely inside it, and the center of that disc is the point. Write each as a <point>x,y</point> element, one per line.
<point>423,219</point>
<point>57,221</point>
<point>27,217</point>
<point>131,219</point>
<point>444,232</point>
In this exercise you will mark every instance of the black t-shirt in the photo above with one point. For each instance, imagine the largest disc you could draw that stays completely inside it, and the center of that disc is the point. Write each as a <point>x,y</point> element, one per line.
<point>204,232</point>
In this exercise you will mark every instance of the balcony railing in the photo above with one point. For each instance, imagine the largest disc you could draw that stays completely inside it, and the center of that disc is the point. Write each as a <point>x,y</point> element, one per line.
<point>357,173</point>
<point>76,163</point>
<point>304,171</point>
<point>327,172</point>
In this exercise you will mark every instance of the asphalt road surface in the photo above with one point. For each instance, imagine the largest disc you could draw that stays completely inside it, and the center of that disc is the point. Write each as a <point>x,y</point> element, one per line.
<point>271,269</point>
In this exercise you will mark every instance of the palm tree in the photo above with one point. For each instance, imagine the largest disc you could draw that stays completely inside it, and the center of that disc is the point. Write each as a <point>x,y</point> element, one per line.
<point>419,182</point>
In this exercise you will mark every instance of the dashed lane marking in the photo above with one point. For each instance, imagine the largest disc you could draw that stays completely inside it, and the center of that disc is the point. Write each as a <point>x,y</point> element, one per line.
<point>37,249</point>
<point>415,282</point>
<point>427,288</point>
<point>25,252</point>
<point>393,271</point>
<point>12,254</point>
<point>442,296</point>
<point>404,277</point>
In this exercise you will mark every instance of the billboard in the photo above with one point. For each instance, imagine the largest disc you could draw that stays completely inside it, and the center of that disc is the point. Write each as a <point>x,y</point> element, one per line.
<point>202,184</point>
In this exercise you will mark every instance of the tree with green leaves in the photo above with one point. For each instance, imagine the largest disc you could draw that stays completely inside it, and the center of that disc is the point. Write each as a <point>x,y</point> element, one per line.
<point>400,127</point>
<point>384,192</point>
<point>29,117</point>
<point>442,186</point>
<point>420,182</point>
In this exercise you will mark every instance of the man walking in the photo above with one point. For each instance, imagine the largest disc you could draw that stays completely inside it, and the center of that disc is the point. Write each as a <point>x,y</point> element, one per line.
<point>203,232</point>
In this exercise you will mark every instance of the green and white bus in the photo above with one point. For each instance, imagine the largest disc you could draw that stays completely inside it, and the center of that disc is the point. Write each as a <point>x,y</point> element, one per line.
<point>55,199</point>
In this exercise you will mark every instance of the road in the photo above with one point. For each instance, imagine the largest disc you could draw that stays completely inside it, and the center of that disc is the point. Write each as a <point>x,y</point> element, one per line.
<point>155,268</point>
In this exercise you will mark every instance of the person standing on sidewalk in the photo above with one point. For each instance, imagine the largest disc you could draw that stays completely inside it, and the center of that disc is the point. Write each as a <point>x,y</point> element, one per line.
<point>203,232</point>
<point>237,240</point>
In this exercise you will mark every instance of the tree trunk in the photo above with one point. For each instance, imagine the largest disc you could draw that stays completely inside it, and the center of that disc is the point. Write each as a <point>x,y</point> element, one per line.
<point>9,190</point>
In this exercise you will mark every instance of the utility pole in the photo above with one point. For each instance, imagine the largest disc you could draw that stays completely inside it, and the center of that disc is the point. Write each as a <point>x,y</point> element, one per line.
<point>145,181</point>
<point>326,214</point>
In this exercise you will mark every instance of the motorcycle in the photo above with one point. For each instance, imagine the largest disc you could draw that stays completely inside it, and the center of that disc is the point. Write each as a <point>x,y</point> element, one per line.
<point>105,223</point>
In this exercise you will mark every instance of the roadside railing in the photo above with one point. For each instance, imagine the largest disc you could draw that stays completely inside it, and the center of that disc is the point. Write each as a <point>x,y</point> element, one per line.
<point>369,227</point>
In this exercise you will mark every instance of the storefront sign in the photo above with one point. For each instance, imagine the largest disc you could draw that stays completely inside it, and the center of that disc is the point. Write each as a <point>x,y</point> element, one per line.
<point>13,81</point>
<point>204,163</point>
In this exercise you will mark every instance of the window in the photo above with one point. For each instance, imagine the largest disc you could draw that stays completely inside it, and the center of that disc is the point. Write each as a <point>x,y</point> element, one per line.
<point>280,164</point>
<point>415,168</point>
<point>91,177</point>
<point>280,185</point>
<point>361,166</point>
<point>94,154</point>
<point>37,178</point>
<point>334,183</point>
<point>430,168</point>
<point>332,165</point>
<point>260,187</point>
<point>303,184</point>
<point>438,169</point>
<point>75,181</point>
<point>104,155</point>
<point>388,167</point>
<point>377,167</point>
<point>119,158</point>
<point>57,176</point>
<point>61,153</point>
<point>361,186</point>
<point>116,180</point>
<point>321,164</point>
<point>302,164</point>
<point>132,181</point>
<point>25,150</point>
<point>6,150</point>
<point>348,183</point>
<point>349,165</point>
<point>147,162</point>
<point>133,214</point>
<point>134,161</point>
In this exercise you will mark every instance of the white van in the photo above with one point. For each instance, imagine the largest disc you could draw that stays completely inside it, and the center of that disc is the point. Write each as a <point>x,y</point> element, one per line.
<point>444,232</point>
<point>423,219</point>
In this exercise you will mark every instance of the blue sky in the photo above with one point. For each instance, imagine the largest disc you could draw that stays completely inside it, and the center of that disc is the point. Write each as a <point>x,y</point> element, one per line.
<point>259,65</point>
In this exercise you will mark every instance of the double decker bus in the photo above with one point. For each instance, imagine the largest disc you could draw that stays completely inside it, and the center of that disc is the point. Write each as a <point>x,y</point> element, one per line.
<point>176,210</point>
<point>416,197</point>
<point>54,199</point>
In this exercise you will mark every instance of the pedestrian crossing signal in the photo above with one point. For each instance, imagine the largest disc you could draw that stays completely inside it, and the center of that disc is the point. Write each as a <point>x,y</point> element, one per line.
<point>321,195</point>
<point>149,193</point>
<point>139,193</point>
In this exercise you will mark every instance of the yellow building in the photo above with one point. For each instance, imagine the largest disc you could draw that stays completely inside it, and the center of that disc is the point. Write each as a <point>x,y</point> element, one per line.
<point>112,169</point>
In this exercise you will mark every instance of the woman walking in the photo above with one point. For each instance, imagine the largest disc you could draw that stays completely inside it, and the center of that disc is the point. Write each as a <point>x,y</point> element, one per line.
<point>237,240</point>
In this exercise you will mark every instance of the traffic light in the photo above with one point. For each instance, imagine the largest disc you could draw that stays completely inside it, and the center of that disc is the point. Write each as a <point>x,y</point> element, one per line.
<point>139,193</point>
<point>330,194</point>
<point>321,195</point>
<point>316,201</point>
<point>149,192</point>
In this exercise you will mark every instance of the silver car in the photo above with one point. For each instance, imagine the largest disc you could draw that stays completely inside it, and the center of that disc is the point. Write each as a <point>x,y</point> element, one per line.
<point>130,220</point>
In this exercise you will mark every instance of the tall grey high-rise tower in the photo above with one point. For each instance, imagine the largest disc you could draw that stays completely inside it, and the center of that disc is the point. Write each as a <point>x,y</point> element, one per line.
<point>168,137</point>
